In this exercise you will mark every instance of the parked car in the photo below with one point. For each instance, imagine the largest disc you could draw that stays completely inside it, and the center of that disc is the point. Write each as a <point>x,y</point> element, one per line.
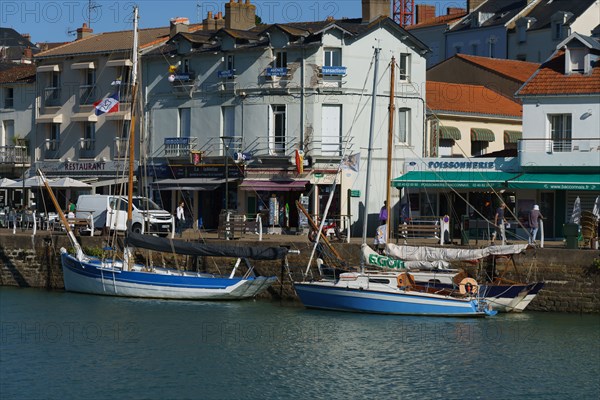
<point>111,212</point>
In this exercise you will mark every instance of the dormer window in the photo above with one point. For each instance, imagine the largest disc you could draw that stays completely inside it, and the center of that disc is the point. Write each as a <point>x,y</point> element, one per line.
<point>575,60</point>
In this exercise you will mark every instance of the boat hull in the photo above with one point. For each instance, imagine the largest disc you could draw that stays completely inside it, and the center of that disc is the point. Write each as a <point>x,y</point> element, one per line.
<point>105,278</point>
<point>329,296</point>
<point>502,298</point>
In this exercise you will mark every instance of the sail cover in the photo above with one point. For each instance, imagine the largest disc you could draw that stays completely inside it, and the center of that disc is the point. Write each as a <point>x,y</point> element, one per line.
<point>424,253</point>
<point>167,245</point>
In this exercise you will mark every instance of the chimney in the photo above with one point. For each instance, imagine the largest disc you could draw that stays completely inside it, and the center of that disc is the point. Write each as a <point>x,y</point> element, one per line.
<point>209,23</point>
<point>241,16</point>
<point>219,21</point>
<point>26,36</point>
<point>473,4</point>
<point>84,31</point>
<point>27,54</point>
<point>425,12</point>
<point>455,10</point>
<point>178,24</point>
<point>373,9</point>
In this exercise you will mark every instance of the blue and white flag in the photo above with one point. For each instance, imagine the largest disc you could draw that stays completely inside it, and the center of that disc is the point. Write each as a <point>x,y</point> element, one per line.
<point>107,105</point>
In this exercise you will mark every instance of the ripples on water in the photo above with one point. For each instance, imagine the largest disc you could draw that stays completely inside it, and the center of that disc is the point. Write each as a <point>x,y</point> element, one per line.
<point>63,345</point>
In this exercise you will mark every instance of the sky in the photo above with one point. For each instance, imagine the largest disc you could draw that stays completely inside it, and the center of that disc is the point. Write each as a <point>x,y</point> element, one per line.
<point>56,21</point>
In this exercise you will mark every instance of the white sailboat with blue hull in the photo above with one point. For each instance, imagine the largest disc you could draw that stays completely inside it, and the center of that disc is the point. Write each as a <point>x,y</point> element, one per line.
<point>122,276</point>
<point>382,292</point>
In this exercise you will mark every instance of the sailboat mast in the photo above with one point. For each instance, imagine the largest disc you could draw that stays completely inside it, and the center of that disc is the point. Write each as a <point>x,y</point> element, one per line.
<point>134,71</point>
<point>370,148</point>
<point>390,144</point>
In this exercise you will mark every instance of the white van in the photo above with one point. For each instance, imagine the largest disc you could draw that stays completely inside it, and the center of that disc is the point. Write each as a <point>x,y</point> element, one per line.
<point>111,212</point>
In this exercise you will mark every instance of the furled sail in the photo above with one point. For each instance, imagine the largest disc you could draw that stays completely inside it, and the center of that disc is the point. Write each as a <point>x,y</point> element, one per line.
<point>432,254</point>
<point>180,247</point>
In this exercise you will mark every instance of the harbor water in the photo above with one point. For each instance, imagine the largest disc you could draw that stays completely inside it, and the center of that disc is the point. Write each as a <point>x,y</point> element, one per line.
<point>57,345</point>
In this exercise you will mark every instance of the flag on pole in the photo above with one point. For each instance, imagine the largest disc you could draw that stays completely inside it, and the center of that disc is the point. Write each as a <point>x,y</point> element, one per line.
<point>107,105</point>
<point>300,161</point>
<point>351,162</point>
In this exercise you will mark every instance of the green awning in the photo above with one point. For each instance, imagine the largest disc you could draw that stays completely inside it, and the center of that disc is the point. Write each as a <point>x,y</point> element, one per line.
<point>449,132</point>
<point>453,179</point>
<point>482,135</point>
<point>512,136</point>
<point>556,181</point>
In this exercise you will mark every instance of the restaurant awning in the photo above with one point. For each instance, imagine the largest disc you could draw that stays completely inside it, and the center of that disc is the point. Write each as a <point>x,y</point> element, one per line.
<point>449,132</point>
<point>482,135</point>
<point>556,181</point>
<point>512,136</point>
<point>453,179</point>
<point>272,186</point>
<point>193,184</point>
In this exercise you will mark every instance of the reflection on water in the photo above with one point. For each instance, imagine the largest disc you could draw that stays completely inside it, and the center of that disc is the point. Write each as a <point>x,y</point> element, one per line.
<point>60,345</point>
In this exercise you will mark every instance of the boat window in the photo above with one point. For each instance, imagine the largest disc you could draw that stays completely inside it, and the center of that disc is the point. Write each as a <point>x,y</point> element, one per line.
<point>145,204</point>
<point>379,280</point>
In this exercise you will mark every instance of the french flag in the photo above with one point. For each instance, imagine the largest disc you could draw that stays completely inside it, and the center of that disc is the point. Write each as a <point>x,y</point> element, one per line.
<point>107,105</point>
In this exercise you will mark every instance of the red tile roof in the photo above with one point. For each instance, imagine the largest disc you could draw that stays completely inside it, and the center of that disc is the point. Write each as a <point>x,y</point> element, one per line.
<point>20,73</point>
<point>551,80</point>
<point>470,99</point>
<point>441,20</point>
<point>517,70</point>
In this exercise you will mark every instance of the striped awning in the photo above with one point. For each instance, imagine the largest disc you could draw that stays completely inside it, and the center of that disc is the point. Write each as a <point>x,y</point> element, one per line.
<point>449,132</point>
<point>482,135</point>
<point>512,136</point>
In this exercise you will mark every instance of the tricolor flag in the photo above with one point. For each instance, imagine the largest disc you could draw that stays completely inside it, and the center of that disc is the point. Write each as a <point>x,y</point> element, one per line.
<point>107,105</point>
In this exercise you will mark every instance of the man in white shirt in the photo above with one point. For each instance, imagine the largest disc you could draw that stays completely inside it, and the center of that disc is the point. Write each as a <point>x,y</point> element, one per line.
<point>180,218</point>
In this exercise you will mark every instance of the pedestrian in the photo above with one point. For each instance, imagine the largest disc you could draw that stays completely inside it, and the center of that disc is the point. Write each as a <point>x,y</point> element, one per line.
<point>383,214</point>
<point>500,222</point>
<point>180,218</point>
<point>72,208</point>
<point>534,218</point>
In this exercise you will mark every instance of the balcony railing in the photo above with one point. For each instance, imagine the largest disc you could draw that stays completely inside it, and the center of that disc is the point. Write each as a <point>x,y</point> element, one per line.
<point>51,149</point>
<point>549,146</point>
<point>283,147</point>
<point>179,146</point>
<point>332,76</point>
<point>9,102</point>
<point>125,93</point>
<point>14,155</point>
<point>87,94</point>
<point>52,97</point>
<point>87,148</point>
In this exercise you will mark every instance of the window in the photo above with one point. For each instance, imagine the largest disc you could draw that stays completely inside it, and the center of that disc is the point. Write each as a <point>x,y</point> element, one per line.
<point>228,115</point>
<point>52,92</point>
<point>9,95</point>
<point>89,140</point>
<point>556,30</point>
<point>230,62</point>
<point>404,67</point>
<point>474,49</point>
<point>280,59</point>
<point>332,57</point>
<point>277,132</point>
<point>445,147</point>
<point>560,131</point>
<point>53,141</point>
<point>403,131</point>
<point>522,33</point>
<point>479,147</point>
<point>87,92</point>
<point>185,66</point>
<point>492,47</point>
<point>576,60</point>
<point>185,122</point>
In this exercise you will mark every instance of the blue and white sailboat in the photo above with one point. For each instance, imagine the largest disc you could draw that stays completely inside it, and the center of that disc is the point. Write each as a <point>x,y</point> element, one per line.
<point>122,276</point>
<point>381,292</point>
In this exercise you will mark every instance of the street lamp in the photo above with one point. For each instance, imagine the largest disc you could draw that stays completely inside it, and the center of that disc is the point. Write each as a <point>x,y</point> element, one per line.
<point>227,142</point>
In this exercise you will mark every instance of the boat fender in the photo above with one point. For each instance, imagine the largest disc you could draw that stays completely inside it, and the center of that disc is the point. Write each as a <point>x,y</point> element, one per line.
<point>405,281</point>
<point>468,286</point>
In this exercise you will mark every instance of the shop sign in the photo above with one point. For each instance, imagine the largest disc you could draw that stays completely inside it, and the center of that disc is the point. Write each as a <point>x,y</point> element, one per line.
<point>355,193</point>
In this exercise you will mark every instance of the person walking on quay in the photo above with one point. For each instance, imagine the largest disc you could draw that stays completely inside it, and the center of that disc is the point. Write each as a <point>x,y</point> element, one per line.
<point>534,219</point>
<point>500,222</point>
<point>180,218</point>
<point>383,214</point>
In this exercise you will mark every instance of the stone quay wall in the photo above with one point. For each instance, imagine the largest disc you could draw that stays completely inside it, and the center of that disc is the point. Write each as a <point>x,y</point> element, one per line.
<point>572,278</point>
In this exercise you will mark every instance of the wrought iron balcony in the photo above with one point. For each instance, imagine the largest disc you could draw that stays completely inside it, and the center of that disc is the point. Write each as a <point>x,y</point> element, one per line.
<point>87,94</point>
<point>561,153</point>
<point>177,147</point>
<point>87,148</point>
<point>51,147</point>
<point>52,97</point>
<point>14,155</point>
